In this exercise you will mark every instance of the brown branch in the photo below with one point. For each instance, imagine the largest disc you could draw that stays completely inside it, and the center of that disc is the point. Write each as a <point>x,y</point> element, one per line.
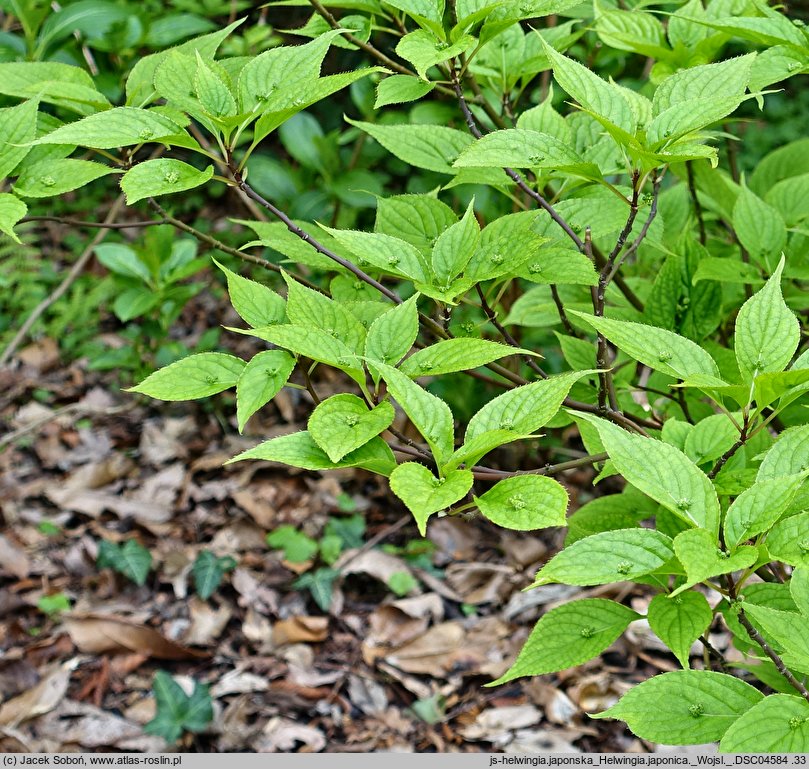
<point>93,225</point>
<point>753,632</point>
<point>489,474</point>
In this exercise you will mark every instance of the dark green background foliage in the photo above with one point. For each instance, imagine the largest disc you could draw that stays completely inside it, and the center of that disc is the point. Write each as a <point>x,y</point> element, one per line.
<point>499,224</point>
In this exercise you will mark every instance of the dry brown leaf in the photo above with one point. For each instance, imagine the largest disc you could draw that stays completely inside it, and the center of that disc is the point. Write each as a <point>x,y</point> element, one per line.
<point>456,539</point>
<point>13,560</point>
<point>258,503</point>
<point>390,627</point>
<point>207,623</point>
<point>479,582</point>
<point>161,489</point>
<point>300,630</point>
<point>239,682</point>
<point>367,695</point>
<point>108,634</point>
<point>43,697</point>
<point>375,563</point>
<point>494,724</point>
<point>258,631</point>
<point>41,355</point>
<point>163,440</point>
<point>281,735</point>
<point>431,654</point>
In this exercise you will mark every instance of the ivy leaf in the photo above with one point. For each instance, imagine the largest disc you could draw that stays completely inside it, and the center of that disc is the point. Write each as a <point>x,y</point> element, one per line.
<point>300,450</point>
<point>320,584</point>
<point>161,176</point>
<point>424,494</point>
<point>610,556</point>
<point>525,503</point>
<point>399,89</point>
<point>176,711</point>
<point>462,354</point>
<point>777,724</point>
<point>658,348</point>
<point>697,551</point>
<point>297,547</point>
<point>260,381</point>
<point>256,304</point>
<point>393,333</point>
<point>196,376</point>
<point>767,332</point>
<point>524,409</point>
<point>208,570</point>
<point>12,209</point>
<point>116,127</point>
<point>134,562</point>
<point>685,707</point>
<point>663,472</point>
<point>680,621</point>
<point>755,510</point>
<point>429,414</point>
<point>569,635</point>
<point>343,423</point>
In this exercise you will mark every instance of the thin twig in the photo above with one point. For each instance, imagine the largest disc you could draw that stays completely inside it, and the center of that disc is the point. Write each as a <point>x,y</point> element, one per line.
<point>692,190</point>
<point>94,225</point>
<point>490,474</point>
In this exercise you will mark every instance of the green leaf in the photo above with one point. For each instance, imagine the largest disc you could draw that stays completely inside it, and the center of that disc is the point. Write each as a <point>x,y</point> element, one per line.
<point>207,571</point>
<point>213,94</point>
<point>176,711</point>
<point>399,89</point>
<point>17,130</point>
<point>429,414</point>
<point>434,148</point>
<point>610,556</point>
<point>275,78</point>
<point>568,636</point>
<point>633,30</point>
<point>472,450</point>
<point>49,178</point>
<point>319,584</point>
<point>343,423</point>
<point>767,332</point>
<point>312,343</point>
<point>418,219</point>
<point>524,409</point>
<point>455,246</point>
<point>393,333</point>
<point>117,127</point>
<point>384,252</point>
<point>789,454</point>
<point>711,438</point>
<point>755,510</point>
<point>424,494</point>
<point>53,604</point>
<point>525,503</point>
<point>133,561</point>
<point>759,226</point>
<point>522,148</point>
<point>12,209</point>
<point>788,540</point>
<point>607,513</point>
<point>726,79</point>
<point>685,707</point>
<point>196,376</point>
<point>256,304</point>
<point>296,545</point>
<point>663,472</point>
<point>786,628</point>
<point>462,354</point>
<point>680,621</point>
<point>260,381</point>
<point>161,176</point>
<point>402,583</point>
<point>588,89</point>
<point>799,589</point>
<point>657,348</point>
<point>424,50</point>
<point>300,450</point>
<point>777,724</point>
<point>697,551</point>
<point>309,308</point>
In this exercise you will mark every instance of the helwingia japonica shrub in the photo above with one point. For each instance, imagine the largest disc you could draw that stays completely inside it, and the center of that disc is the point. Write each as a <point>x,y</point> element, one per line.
<point>603,264</point>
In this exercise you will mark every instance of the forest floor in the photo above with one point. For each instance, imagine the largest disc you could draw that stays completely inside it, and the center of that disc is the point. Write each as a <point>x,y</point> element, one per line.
<point>413,631</point>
